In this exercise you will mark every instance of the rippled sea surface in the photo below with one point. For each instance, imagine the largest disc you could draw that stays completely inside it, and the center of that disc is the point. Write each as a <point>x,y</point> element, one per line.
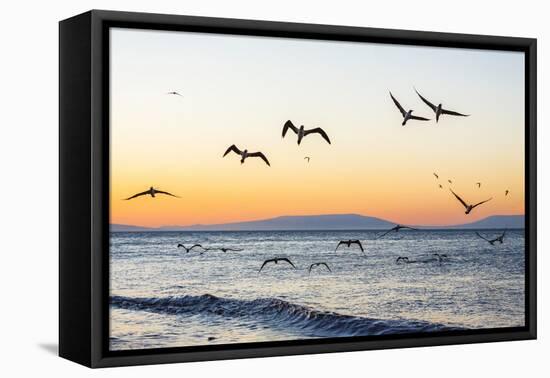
<point>161,296</point>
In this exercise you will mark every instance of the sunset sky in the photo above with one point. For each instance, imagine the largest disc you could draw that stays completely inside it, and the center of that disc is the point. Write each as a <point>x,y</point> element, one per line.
<point>240,90</point>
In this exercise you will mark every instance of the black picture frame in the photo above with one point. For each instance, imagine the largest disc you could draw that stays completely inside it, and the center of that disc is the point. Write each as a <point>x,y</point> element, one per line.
<point>84,186</point>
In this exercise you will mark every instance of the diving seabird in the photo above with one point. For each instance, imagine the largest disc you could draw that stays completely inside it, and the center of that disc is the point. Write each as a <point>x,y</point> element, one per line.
<point>307,158</point>
<point>318,264</point>
<point>402,258</point>
<point>440,257</point>
<point>245,154</point>
<point>440,186</point>
<point>450,182</point>
<point>466,206</point>
<point>478,184</point>
<point>436,175</point>
<point>174,93</point>
<point>302,132</point>
<point>190,248</point>
<point>406,114</point>
<point>276,260</point>
<point>152,192</point>
<point>439,109</point>
<point>506,192</point>
<point>396,228</point>
<point>499,239</point>
<point>348,243</point>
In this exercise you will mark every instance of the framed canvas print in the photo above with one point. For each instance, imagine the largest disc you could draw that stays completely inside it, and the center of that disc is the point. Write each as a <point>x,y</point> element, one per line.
<point>234,188</point>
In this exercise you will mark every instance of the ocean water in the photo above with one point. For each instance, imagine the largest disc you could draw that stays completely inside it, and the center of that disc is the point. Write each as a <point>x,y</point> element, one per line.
<point>161,296</point>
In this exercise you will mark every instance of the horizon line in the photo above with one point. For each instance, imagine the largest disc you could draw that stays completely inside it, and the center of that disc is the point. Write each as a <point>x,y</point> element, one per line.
<point>310,215</point>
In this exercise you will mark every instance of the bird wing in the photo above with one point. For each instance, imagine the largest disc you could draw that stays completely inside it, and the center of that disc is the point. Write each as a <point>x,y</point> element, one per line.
<point>311,267</point>
<point>403,112</point>
<point>325,264</point>
<point>180,246</point>
<point>482,202</point>
<point>420,118</point>
<point>163,192</point>
<point>137,195</point>
<point>260,155</point>
<point>385,233</point>
<point>478,234</point>
<point>264,264</point>
<point>197,245</point>
<point>288,261</point>
<point>460,199</point>
<point>426,101</point>
<point>339,244</point>
<point>410,228</point>
<point>289,125</point>
<point>234,149</point>
<point>450,112</point>
<point>320,131</point>
<point>358,242</point>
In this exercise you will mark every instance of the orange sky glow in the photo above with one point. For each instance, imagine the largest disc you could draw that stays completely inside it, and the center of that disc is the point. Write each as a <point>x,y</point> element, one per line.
<point>373,167</point>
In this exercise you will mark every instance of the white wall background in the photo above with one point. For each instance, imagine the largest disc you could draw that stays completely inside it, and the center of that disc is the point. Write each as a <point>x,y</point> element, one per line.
<point>28,194</point>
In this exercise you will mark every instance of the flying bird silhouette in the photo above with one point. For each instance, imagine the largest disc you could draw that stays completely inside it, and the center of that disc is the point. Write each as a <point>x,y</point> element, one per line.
<point>450,182</point>
<point>318,264</point>
<point>276,260</point>
<point>478,184</point>
<point>174,93</point>
<point>440,186</point>
<point>224,249</point>
<point>506,192</point>
<point>307,158</point>
<point>436,175</point>
<point>409,261</point>
<point>302,132</point>
<point>499,239</point>
<point>468,208</point>
<point>190,248</point>
<point>245,154</point>
<point>348,243</point>
<point>152,192</point>
<point>396,228</point>
<point>407,115</point>
<point>439,109</point>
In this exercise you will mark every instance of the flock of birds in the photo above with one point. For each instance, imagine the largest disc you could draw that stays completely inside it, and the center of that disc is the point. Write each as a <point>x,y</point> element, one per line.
<point>301,132</point>
<point>435,257</point>
<point>274,260</point>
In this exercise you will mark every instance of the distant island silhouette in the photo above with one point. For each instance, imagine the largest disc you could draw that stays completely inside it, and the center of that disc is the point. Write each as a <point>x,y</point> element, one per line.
<point>329,222</point>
